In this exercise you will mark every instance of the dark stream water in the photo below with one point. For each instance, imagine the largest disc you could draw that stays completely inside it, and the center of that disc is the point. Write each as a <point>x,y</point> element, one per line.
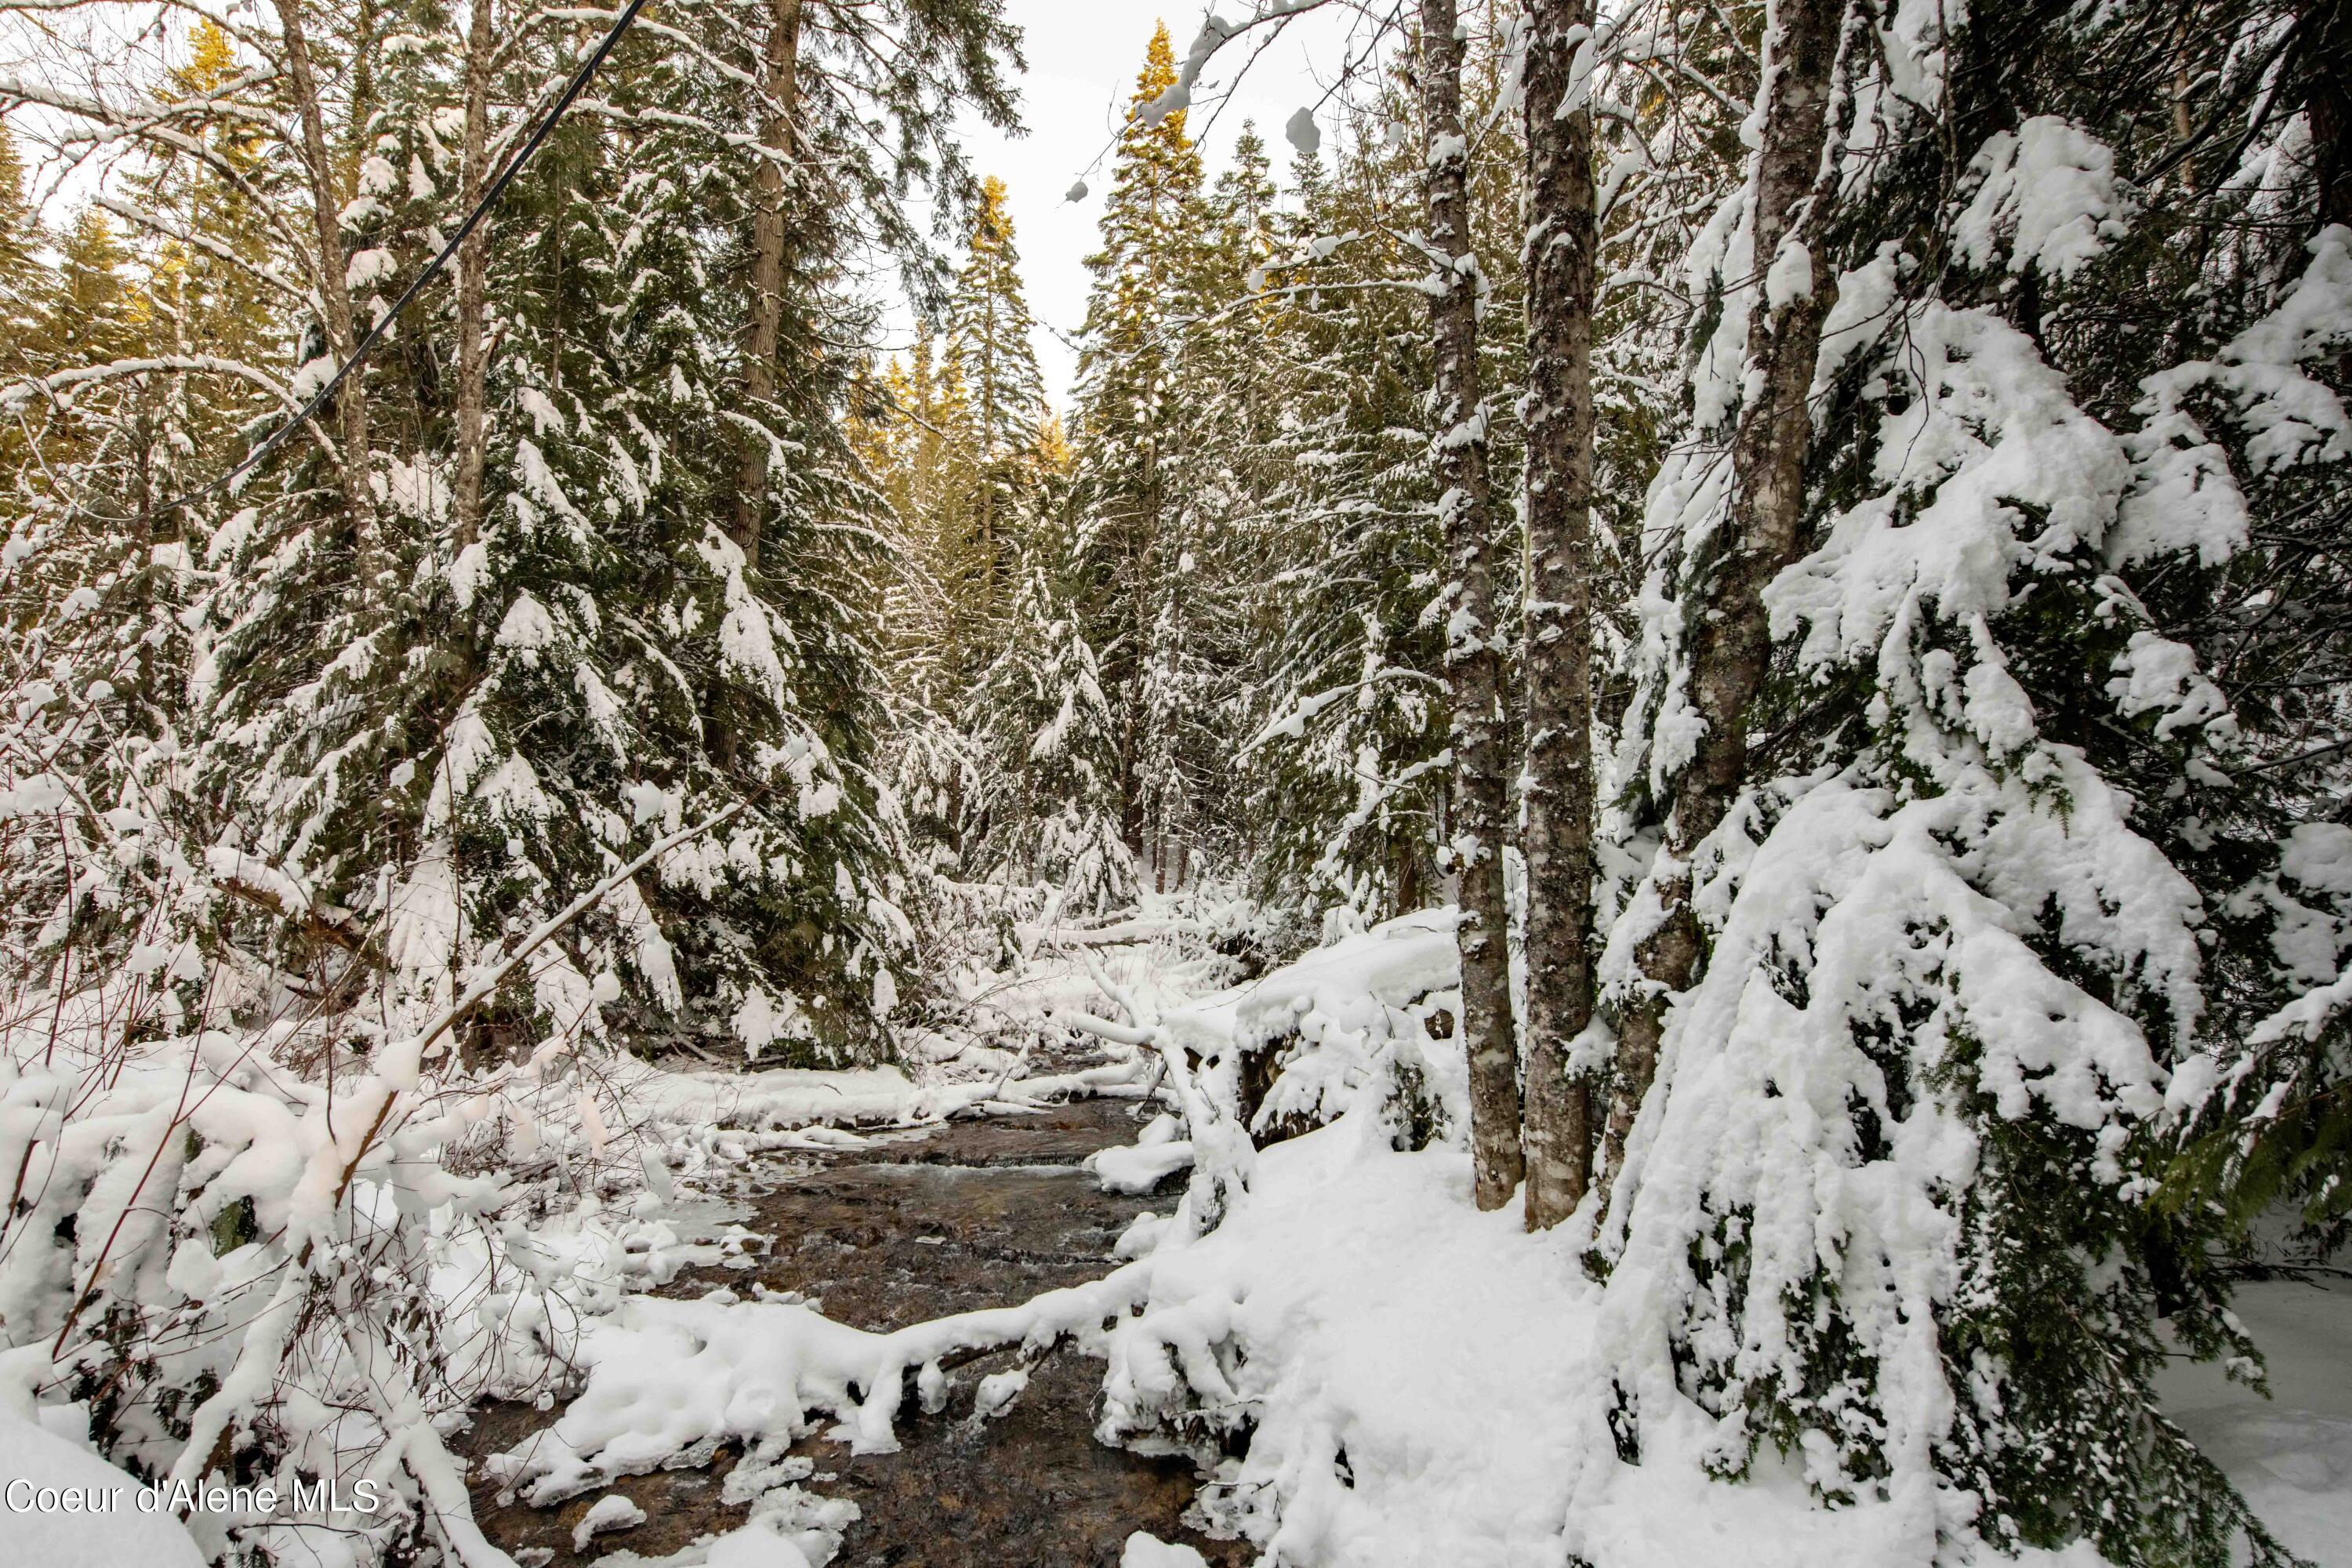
<point>972,1215</point>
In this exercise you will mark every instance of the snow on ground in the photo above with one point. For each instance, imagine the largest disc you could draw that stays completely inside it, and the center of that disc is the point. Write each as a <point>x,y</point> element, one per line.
<point>2291,1454</point>
<point>1406,1360</point>
<point>809,1103</point>
<point>61,1506</point>
<point>1415,1367</point>
<point>1417,1378</point>
<point>1144,1550</point>
<point>1366,996</point>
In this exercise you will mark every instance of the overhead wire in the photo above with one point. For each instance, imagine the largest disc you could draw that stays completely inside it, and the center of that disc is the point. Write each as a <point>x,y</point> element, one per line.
<point>376,333</point>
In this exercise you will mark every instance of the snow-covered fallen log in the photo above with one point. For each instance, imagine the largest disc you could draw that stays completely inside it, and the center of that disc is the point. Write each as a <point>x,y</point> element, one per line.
<point>1139,1168</point>
<point>668,1378</point>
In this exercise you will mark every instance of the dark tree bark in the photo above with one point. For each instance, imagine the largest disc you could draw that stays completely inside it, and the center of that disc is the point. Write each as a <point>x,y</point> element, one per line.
<point>473,279</point>
<point>1563,234</point>
<point>764,331</point>
<point>334,292</point>
<point>2329,104</point>
<point>1473,657</point>
<point>1729,638</point>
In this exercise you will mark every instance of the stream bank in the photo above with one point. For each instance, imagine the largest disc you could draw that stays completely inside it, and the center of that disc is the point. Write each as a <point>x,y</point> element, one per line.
<point>905,1228</point>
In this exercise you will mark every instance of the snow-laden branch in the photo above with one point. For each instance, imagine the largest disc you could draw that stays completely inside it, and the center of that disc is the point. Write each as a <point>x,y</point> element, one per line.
<point>1214,34</point>
<point>549,929</point>
<point>1382,791</point>
<point>18,391</point>
<point>1292,724</point>
<point>183,234</point>
<point>1224,1157</point>
<point>398,1070</point>
<point>650,28</point>
<point>113,123</point>
<point>152,129</point>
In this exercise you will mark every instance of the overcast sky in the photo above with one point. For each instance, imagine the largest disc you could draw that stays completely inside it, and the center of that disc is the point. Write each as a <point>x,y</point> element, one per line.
<point>1084,56</point>
<point>1082,60</point>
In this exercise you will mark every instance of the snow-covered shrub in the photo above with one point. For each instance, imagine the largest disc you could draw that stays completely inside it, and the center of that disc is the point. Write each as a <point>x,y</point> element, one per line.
<point>1378,1010</point>
<point>263,1235</point>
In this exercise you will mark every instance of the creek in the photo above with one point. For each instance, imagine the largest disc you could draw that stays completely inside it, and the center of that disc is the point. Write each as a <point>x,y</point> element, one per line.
<point>908,1227</point>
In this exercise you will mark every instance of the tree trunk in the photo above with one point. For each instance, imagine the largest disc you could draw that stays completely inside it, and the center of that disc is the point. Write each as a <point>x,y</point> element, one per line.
<point>1474,666</point>
<point>1563,234</point>
<point>335,292</point>
<point>473,277</point>
<point>766,327</point>
<point>1729,637</point>
<point>2329,105</point>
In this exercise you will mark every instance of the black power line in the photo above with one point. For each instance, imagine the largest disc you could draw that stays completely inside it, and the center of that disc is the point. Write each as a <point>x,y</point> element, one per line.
<point>375,335</point>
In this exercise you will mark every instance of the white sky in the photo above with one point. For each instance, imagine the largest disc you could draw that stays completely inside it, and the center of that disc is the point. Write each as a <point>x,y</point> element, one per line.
<point>1082,60</point>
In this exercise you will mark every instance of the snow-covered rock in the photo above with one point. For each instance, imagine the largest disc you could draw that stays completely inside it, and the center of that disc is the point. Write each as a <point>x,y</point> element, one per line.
<point>1145,1550</point>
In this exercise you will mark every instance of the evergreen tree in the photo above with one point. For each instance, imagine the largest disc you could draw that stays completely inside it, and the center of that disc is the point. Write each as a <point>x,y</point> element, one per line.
<point>1344,692</point>
<point>1046,726</point>
<point>644,631</point>
<point>1958,829</point>
<point>1130,399</point>
<point>21,273</point>
<point>95,313</point>
<point>989,347</point>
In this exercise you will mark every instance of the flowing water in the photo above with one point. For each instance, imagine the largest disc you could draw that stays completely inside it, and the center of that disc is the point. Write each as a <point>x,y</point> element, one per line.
<point>977,1214</point>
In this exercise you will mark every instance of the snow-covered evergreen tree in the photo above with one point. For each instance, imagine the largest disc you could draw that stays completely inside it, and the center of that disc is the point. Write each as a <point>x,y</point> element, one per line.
<point>1956,827</point>
<point>989,332</point>
<point>1131,424</point>
<point>622,646</point>
<point>1051,742</point>
<point>1344,682</point>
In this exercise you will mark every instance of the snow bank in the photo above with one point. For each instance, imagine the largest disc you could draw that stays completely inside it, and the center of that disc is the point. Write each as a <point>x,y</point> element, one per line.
<point>1333,1016</point>
<point>38,1528</point>
<point>1417,1383</point>
<point>2290,1455</point>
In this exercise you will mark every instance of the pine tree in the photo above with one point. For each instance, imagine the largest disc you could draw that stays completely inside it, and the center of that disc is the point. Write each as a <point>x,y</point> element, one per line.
<point>1959,819</point>
<point>989,345</point>
<point>21,277</point>
<point>1345,721</point>
<point>641,630</point>
<point>1045,724</point>
<point>1129,405</point>
<point>95,313</point>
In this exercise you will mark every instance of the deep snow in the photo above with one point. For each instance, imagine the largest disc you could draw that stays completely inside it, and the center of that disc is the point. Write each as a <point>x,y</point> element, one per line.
<point>1420,1381</point>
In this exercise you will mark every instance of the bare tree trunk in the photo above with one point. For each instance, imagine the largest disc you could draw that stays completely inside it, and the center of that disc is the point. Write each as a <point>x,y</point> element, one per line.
<point>1563,234</point>
<point>2329,104</point>
<point>473,277</point>
<point>1729,636</point>
<point>766,326</point>
<point>335,292</point>
<point>1473,661</point>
